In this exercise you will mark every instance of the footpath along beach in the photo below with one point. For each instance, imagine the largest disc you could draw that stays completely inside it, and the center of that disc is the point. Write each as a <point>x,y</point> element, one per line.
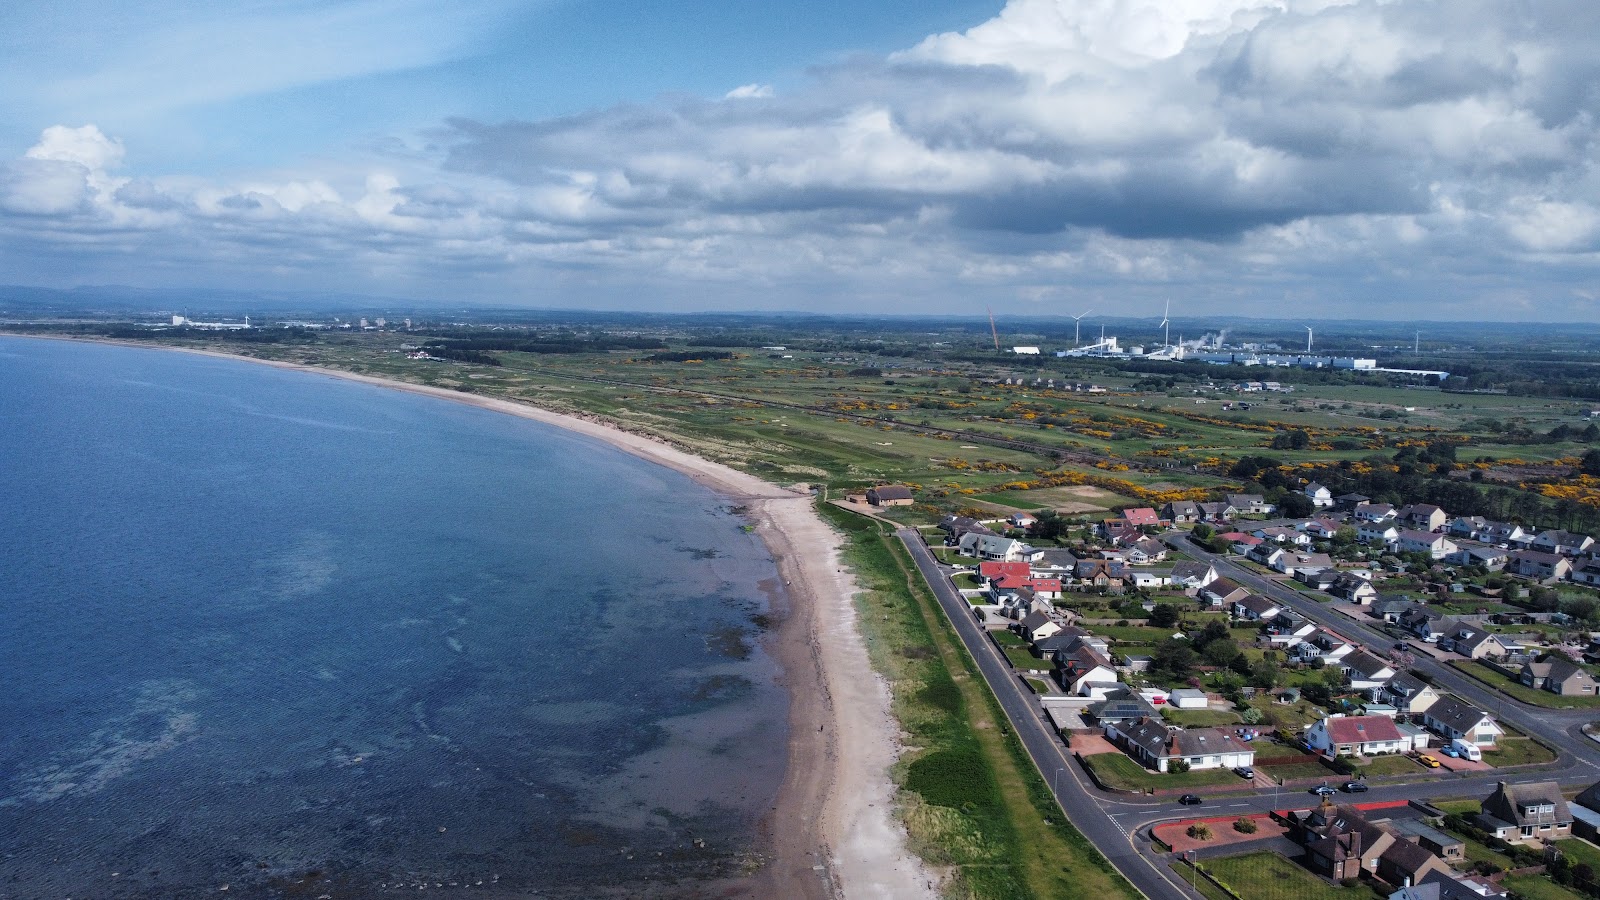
<point>832,832</point>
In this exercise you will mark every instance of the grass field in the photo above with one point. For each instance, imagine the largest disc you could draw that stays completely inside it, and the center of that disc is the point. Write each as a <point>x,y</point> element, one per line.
<point>1268,876</point>
<point>1198,718</point>
<point>1512,688</point>
<point>972,800</point>
<point>1518,751</point>
<point>1538,887</point>
<point>1118,771</point>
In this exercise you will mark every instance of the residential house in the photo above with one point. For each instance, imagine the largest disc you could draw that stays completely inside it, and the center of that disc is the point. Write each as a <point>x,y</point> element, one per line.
<point>1058,645</point>
<point>1142,517</point>
<point>1181,511</point>
<point>1437,546</point>
<point>992,547</point>
<point>1086,672</point>
<point>1428,624</point>
<point>1021,520</point>
<point>1468,527</point>
<point>1526,813</point>
<point>1036,626</point>
<point>1320,496</point>
<point>1281,534</point>
<point>1322,529</point>
<point>1193,574</point>
<point>1341,844</point>
<point>1250,504</point>
<point>1340,735</point>
<point>1407,863</point>
<point>1587,572</point>
<point>1352,588</point>
<point>1422,516</point>
<point>1505,534</point>
<point>1417,831</point>
<point>1363,671</point>
<point>1255,608</point>
<point>1321,644</point>
<point>1289,629</point>
<point>1222,591</point>
<point>1149,578</point>
<point>1056,562</point>
<point>994,570</point>
<point>1408,694</point>
<point>1471,554</point>
<point>956,527</point>
<point>1219,511</point>
<point>1240,542</point>
<point>1390,607</point>
<point>1541,566</point>
<point>1373,512</point>
<point>1120,532</point>
<point>1472,641</point>
<point>1348,502</point>
<point>1120,706</point>
<point>1442,886</point>
<point>1293,562</point>
<point>1155,745</point>
<point>1147,551</point>
<point>1456,720</point>
<point>1099,573</point>
<point>1383,533</point>
<point>1559,675</point>
<point>1265,553</point>
<point>1565,543</point>
<point>889,495</point>
<point>1317,579</point>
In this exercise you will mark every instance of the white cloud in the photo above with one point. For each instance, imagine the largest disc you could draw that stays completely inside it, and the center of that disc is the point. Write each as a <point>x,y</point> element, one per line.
<point>750,92</point>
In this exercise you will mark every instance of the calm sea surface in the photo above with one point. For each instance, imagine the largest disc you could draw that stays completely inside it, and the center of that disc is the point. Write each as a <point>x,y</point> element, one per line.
<point>304,637</point>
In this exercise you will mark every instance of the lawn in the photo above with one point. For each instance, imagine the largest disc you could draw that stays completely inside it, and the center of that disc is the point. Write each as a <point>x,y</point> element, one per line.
<point>1461,807</point>
<point>1268,876</point>
<point>1391,765</point>
<point>1273,750</point>
<point>1538,887</point>
<point>1518,751</point>
<point>1132,634</point>
<point>1118,771</point>
<point>1008,639</point>
<point>1522,692</point>
<point>1199,718</point>
<point>1025,660</point>
<point>1297,771</point>
<point>1038,685</point>
<point>1579,851</point>
<point>966,582</point>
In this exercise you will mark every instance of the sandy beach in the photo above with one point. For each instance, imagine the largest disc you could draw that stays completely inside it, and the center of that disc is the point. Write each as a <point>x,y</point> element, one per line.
<point>832,832</point>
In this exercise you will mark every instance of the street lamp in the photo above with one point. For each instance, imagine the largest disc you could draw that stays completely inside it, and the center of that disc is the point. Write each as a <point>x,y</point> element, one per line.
<point>1194,869</point>
<point>1055,782</point>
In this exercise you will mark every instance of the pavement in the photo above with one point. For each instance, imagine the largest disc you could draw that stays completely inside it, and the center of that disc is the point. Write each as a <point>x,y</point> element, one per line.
<point>1118,824</point>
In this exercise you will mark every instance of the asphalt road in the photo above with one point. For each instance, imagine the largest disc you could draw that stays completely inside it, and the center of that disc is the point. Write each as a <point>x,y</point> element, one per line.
<point>1117,824</point>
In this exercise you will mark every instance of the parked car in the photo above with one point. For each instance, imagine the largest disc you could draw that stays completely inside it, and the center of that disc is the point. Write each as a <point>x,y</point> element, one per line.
<point>1451,752</point>
<point>1355,787</point>
<point>1428,761</point>
<point>1323,790</point>
<point>1245,772</point>
<point>1190,799</point>
<point>1400,645</point>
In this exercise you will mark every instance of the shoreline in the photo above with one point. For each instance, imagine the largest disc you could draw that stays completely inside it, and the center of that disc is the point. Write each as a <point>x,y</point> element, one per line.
<point>831,831</point>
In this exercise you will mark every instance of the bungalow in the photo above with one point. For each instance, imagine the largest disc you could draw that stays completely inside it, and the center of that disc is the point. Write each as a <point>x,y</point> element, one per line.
<point>955,527</point>
<point>1265,553</point>
<point>1455,720</point>
<point>1142,517</point>
<point>1363,671</point>
<point>1559,675</point>
<point>1437,546</point>
<point>1322,529</point>
<point>1181,511</point>
<point>1149,578</point>
<point>1534,564</point>
<point>1021,520</point>
<point>1441,886</point>
<point>1491,558</point>
<point>1340,735</point>
<point>1407,863</point>
<point>1255,608</point>
<point>1472,641</point>
<point>1349,502</point>
<point>1373,512</point>
<point>1390,607</point>
<point>1317,579</point>
<point>1352,588</point>
<point>1565,543</point>
<point>1222,592</point>
<point>1320,496</point>
<point>1058,645</point>
<point>1240,542</point>
<point>1294,562</point>
<point>1100,573</point>
<point>1377,533</point>
<point>1147,551</point>
<point>1056,561</point>
<point>1288,629</point>
<point>1250,504</point>
<point>1155,745</point>
<point>1321,644</point>
<point>1505,534</point>
<point>889,495</point>
<point>1423,516</point>
<point>1193,574</point>
<point>1408,694</point>
<point>994,570</point>
<point>1526,813</point>
<point>1282,535</point>
<point>1036,626</point>
<point>1120,706</point>
<point>1220,511</point>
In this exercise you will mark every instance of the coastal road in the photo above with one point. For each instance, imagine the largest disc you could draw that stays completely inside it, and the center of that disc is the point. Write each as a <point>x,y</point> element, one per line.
<point>1579,759</point>
<point>1088,811</point>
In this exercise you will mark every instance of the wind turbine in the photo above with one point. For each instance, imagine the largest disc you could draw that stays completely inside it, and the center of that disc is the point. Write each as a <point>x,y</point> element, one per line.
<point>1309,334</point>
<point>1166,328</point>
<point>1076,323</point>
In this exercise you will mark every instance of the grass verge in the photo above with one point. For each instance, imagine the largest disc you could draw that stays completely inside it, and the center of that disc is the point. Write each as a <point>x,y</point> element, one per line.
<point>1518,751</point>
<point>972,800</point>
<point>1118,771</point>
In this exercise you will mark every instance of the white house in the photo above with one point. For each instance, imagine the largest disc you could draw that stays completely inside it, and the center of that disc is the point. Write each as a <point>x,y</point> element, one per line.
<point>1341,735</point>
<point>1377,533</point>
<point>1156,745</point>
<point>1458,721</point>
<point>1363,671</point>
<point>1437,546</point>
<point>1320,496</point>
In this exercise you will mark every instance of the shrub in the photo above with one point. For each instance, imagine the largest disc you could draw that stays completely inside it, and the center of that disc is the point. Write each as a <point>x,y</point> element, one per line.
<point>1246,825</point>
<point>1200,831</point>
<point>1253,716</point>
<point>1178,766</point>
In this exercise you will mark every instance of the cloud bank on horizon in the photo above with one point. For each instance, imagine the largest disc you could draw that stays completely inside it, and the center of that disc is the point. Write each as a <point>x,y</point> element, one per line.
<point>1406,159</point>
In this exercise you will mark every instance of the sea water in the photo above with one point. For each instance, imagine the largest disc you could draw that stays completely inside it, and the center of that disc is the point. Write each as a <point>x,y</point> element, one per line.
<point>280,634</point>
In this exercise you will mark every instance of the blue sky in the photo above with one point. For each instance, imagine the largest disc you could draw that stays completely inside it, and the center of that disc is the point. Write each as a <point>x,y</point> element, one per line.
<point>1361,158</point>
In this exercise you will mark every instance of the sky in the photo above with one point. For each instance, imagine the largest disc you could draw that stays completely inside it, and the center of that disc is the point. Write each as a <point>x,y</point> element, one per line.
<point>1399,159</point>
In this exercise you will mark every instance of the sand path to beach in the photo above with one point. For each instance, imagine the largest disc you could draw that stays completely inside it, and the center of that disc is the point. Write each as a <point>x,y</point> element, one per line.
<point>833,831</point>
